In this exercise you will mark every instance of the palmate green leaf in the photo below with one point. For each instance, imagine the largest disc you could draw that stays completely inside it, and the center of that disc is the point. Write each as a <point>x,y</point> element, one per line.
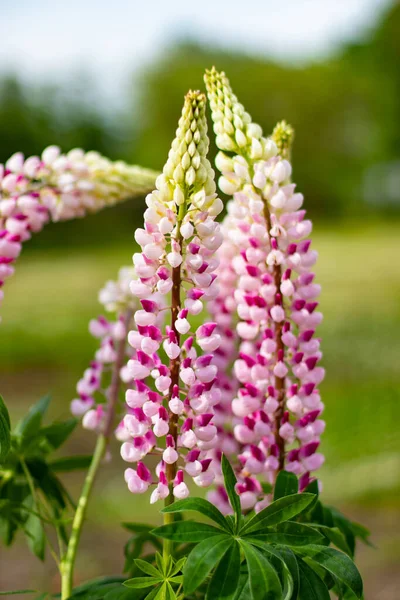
<point>224,582</point>
<point>203,559</point>
<point>337,563</point>
<point>142,582</point>
<point>290,534</point>
<point>263,579</point>
<point>186,531</point>
<point>286,484</point>
<point>5,435</point>
<point>202,506</point>
<point>70,463</point>
<point>31,422</point>
<point>279,511</point>
<point>311,585</point>
<point>230,483</point>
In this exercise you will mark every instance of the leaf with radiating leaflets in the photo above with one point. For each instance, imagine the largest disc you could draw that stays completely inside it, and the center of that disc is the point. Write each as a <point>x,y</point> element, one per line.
<point>279,511</point>
<point>337,563</point>
<point>263,579</point>
<point>202,506</point>
<point>224,582</point>
<point>311,585</point>
<point>203,559</point>
<point>286,484</point>
<point>186,531</point>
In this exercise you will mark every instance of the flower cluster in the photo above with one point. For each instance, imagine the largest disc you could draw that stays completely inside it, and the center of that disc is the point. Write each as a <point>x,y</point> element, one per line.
<point>273,296</point>
<point>174,370</point>
<point>57,187</point>
<point>98,389</point>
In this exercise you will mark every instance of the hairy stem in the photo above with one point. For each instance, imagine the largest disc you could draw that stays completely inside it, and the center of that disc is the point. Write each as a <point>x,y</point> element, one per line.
<point>68,562</point>
<point>279,381</point>
<point>171,470</point>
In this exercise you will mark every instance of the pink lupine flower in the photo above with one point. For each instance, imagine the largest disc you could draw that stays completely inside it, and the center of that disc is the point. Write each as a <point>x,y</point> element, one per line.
<point>93,402</point>
<point>271,298</point>
<point>176,267</point>
<point>57,187</point>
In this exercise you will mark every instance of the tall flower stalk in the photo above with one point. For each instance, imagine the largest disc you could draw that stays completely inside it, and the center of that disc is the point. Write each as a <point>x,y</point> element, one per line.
<point>98,401</point>
<point>276,410</point>
<point>56,187</point>
<point>174,373</point>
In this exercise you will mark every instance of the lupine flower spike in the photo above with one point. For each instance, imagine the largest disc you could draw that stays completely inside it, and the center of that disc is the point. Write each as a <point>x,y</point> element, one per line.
<point>174,395</point>
<point>97,400</point>
<point>56,187</point>
<point>270,293</point>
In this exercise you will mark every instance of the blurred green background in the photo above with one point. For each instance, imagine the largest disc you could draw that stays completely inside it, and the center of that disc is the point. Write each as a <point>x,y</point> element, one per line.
<point>345,109</point>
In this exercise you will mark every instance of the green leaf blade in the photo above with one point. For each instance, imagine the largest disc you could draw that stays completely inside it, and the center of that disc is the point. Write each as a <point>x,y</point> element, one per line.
<point>230,483</point>
<point>279,511</point>
<point>224,582</point>
<point>289,534</point>
<point>311,585</point>
<point>286,484</point>
<point>263,579</point>
<point>199,505</point>
<point>5,430</point>
<point>142,582</point>
<point>57,433</point>
<point>337,563</point>
<point>186,531</point>
<point>203,559</point>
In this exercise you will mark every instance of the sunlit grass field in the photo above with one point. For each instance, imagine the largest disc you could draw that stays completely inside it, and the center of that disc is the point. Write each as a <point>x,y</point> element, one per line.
<point>44,346</point>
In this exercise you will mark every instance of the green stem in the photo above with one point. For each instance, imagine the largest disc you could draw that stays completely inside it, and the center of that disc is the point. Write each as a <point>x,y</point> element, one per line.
<point>67,566</point>
<point>168,519</point>
<point>68,562</point>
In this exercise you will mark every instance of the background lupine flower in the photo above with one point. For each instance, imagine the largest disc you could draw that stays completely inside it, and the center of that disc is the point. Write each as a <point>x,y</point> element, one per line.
<point>56,187</point>
<point>277,407</point>
<point>174,367</point>
<point>102,379</point>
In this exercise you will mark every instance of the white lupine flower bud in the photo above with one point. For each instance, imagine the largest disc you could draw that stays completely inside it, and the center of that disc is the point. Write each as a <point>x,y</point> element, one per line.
<point>223,163</point>
<point>187,230</point>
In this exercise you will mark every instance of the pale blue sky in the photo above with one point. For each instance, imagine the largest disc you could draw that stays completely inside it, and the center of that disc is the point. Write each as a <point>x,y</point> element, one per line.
<point>51,38</point>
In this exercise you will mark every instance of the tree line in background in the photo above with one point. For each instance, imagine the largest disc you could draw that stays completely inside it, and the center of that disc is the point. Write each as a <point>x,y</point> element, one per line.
<point>345,110</point>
